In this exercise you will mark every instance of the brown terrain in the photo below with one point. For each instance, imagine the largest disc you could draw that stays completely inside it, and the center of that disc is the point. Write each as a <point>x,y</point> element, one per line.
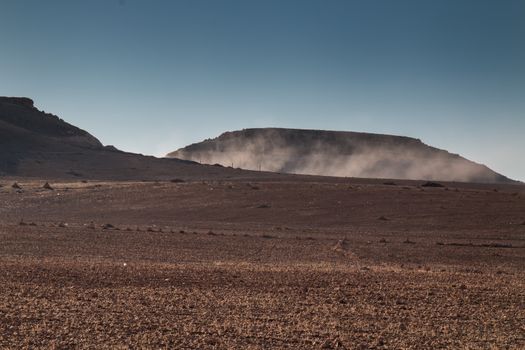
<point>207,257</point>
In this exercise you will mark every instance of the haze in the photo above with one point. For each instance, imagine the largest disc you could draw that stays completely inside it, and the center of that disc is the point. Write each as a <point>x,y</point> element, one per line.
<point>151,77</point>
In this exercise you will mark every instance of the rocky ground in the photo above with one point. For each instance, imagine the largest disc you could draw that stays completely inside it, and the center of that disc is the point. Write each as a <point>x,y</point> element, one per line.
<point>313,263</point>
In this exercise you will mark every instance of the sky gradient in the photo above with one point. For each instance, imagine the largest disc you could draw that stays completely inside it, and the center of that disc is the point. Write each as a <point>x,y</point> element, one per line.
<point>152,76</point>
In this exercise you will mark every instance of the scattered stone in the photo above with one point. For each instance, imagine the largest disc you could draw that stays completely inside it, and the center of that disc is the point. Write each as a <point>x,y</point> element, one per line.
<point>264,206</point>
<point>62,224</point>
<point>432,184</point>
<point>108,227</point>
<point>177,181</point>
<point>408,241</point>
<point>382,218</point>
<point>340,246</point>
<point>389,183</point>
<point>327,345</point>
<point>47,186</point>
<point>16,186</point>
<point>382,240</point>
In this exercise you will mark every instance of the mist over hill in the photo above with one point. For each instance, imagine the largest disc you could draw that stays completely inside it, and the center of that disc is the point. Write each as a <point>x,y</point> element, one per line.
<point>336,153</point>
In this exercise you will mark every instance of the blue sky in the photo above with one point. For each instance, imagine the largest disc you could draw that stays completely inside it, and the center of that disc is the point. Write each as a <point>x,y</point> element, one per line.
<point>152,76</point>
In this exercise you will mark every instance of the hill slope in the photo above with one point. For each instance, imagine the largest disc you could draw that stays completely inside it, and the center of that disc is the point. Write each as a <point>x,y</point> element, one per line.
<point>38,144</point>
<point>336,153</point>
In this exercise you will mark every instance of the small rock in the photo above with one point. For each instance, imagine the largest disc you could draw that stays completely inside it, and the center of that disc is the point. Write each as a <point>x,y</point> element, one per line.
<point>432,184</point>
<point>340,245</point>
<point>327,345</point>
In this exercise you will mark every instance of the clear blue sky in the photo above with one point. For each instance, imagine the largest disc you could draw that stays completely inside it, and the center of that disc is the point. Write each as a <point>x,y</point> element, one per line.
<point>152,76</point>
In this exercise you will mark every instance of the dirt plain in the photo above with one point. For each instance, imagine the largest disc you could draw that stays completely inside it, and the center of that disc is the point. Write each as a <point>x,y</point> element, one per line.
<point>291,262</point>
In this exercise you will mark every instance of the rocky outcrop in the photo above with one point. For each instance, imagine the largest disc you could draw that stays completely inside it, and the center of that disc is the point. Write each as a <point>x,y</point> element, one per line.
<point>38,144</point>
<point>20,115</point>
<point>20,101</point>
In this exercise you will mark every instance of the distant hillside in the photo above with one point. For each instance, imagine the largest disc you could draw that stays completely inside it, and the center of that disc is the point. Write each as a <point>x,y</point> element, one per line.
<point>336,153</point>
<point>38,144</point>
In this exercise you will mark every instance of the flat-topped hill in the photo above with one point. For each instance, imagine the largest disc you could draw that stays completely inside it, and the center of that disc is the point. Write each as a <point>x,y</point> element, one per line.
<point>336,153</point>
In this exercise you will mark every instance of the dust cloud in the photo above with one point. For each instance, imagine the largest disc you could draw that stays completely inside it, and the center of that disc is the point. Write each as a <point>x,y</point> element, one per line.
<point>336,154</point>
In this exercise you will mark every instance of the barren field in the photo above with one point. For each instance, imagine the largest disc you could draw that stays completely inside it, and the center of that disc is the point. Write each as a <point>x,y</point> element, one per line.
<point>291,262</point>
